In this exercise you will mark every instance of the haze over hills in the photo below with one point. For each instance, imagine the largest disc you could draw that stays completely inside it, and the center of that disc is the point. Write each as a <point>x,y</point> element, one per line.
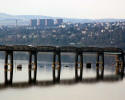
<point>7,19</point>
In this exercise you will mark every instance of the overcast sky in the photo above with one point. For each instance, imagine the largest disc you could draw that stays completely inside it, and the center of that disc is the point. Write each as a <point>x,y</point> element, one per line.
<point>66,8</point>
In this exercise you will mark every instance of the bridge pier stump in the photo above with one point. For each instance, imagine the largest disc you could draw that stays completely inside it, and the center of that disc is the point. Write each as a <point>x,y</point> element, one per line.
<point>6,70</point>
<point>97,65</point>
<point>56,66</point>
<point>100,64</point>
<point>120,65</point>
<point>117,71</point>
<point>77,66</point>
<point>32,66</point>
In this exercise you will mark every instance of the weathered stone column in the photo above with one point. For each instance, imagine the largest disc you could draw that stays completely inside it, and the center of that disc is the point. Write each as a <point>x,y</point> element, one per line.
<point>32,66</point>
<point>78,65</point>
<point>100,65</point>
<point>6,70</point>
<point>122,65</point>
<point>97,65</point>
<point>56,67</point>
<point>117,70</point>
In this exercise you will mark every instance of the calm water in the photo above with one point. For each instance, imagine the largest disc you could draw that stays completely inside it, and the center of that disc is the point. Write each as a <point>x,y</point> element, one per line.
<point>111,88</point>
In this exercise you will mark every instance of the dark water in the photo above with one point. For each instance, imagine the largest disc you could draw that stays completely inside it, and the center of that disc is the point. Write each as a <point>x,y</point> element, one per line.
<point>110,88</point>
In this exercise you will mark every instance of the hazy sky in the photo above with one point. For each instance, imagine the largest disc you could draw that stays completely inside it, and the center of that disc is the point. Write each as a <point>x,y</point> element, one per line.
<point>66,8</point>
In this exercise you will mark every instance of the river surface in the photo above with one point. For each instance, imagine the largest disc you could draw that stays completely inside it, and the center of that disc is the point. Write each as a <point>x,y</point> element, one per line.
<point>110,88</point>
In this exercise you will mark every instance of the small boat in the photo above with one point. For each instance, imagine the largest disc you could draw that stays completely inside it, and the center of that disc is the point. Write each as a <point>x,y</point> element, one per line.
<point>19,67</point>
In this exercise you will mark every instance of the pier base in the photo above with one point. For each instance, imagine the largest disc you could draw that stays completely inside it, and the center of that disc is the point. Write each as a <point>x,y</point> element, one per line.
<point>32,67</point>
<point>78,66</point>
<point>120,65</point>
<point>100,65</point>
<point>56,67</point>
<point>8,71</point>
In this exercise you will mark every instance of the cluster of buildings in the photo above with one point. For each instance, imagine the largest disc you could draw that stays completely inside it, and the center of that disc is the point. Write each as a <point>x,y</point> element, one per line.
<point>45,22</point>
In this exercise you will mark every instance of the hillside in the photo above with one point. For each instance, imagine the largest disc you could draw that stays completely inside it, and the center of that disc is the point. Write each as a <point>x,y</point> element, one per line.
<point>6,19</point>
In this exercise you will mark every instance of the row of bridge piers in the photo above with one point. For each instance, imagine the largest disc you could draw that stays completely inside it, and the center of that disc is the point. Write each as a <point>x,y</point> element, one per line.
<point>56,66</point>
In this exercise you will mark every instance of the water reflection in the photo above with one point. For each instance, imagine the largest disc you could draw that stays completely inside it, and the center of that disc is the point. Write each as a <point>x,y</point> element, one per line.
<point>47,83</point>
<point>89,87</point>
<point>46,67</point>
